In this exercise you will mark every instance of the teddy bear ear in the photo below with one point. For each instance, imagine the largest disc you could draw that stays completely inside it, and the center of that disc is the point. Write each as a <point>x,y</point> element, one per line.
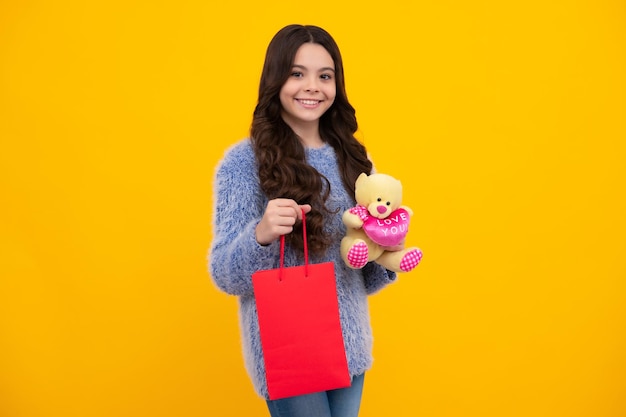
<point>360,179</point>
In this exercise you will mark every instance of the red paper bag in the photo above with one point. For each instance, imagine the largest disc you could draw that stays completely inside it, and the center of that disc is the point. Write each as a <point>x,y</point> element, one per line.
<point>300,330</point>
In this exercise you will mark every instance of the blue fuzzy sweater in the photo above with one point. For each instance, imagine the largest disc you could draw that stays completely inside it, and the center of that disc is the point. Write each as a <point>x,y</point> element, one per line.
<point>235,255</point>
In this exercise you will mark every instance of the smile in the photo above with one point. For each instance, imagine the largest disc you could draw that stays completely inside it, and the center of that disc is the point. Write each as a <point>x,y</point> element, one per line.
<point>308,103</point>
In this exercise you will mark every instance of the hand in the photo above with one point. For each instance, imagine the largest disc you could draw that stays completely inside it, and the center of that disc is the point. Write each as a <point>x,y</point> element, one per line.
<point>279,217</point>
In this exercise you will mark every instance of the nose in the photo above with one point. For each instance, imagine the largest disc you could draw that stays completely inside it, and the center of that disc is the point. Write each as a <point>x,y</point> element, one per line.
<point>381,209</point>
<point>311,86</point>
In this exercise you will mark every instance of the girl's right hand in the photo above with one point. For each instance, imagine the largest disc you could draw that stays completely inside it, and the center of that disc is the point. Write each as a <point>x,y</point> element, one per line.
<point>279,217</point>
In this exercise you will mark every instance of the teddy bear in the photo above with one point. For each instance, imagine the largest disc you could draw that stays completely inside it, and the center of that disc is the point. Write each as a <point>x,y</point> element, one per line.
<point>377,226</point>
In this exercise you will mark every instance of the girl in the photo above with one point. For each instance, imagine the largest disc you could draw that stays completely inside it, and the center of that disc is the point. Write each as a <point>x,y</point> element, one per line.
<point>301,156</point>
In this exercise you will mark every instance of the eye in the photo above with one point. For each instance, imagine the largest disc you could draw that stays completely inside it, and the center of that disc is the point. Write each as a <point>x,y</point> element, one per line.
<point>388,203</point>
<point>296,74</point>
<point>379,199</point>
<point>326,77</point>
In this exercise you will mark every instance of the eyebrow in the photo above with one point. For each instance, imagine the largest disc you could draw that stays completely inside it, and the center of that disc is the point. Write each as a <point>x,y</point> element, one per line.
<point>320,70</point>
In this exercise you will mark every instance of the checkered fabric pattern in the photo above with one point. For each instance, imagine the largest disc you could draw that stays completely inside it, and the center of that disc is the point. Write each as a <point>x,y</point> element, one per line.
<point>357,255</point>
<point>411,260</point>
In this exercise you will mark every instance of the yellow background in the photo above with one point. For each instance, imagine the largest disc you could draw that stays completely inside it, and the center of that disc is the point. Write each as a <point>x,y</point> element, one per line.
<point>505,122</point>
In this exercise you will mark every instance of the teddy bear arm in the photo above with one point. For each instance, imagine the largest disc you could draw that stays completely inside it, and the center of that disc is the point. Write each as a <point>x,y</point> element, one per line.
<point>351,220</point>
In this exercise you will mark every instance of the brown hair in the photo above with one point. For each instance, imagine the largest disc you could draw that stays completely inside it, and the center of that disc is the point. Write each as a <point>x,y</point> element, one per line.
<point>283,170</point>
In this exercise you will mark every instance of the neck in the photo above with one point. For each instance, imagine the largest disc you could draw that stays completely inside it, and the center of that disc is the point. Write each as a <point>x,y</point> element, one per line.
<point>308,133</point>
<point>314,141</point>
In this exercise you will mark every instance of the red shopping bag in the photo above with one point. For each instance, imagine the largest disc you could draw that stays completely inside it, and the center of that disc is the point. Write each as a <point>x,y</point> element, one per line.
<point>301,335</point>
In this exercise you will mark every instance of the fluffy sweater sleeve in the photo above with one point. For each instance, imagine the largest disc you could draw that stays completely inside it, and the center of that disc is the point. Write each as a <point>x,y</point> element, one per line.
<point>376,277</point>
<point>238,207</point>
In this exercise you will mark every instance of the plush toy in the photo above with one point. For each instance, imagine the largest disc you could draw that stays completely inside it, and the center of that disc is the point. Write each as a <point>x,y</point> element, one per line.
<point>377,226</point>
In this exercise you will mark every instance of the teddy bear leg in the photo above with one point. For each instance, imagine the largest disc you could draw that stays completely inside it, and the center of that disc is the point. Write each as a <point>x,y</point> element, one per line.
<point>354,252</point>
<point>411,259</point>
<point>401,261</point>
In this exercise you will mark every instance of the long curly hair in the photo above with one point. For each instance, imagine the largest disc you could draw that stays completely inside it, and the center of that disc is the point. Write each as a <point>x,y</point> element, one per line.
<point>282,166</point>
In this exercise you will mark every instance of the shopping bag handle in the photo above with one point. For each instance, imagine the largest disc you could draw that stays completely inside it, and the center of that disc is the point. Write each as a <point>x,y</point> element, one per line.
<point>306,251</point>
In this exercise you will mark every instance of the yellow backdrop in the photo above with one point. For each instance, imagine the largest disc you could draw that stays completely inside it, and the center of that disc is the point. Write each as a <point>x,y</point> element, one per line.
<point>505,122</point>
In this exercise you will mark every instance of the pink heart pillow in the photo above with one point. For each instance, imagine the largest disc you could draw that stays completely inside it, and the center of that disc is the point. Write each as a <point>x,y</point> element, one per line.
<point>389,231</point>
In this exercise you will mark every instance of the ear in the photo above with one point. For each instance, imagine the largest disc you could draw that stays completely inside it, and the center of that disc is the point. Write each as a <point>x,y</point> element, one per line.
<point>360,178</point>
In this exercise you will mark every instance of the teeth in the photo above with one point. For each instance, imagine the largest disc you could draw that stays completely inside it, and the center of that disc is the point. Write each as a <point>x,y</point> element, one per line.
<point>309,102</point>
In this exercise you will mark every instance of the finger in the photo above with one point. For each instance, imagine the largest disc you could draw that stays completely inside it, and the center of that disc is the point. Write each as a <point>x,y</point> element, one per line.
<point>295,211</point>
<point>284,202</point>
<point>306,208</point>
<point>279,217</point>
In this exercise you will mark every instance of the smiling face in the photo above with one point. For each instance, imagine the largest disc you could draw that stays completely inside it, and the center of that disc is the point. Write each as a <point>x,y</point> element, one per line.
<point>310,89</point>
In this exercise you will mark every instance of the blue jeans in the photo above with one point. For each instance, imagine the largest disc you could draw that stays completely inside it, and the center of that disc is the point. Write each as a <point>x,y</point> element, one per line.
<point>344,402</point>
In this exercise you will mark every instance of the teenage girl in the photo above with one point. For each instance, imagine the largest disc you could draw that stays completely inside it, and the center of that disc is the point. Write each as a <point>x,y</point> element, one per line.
<point>301,156</point>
